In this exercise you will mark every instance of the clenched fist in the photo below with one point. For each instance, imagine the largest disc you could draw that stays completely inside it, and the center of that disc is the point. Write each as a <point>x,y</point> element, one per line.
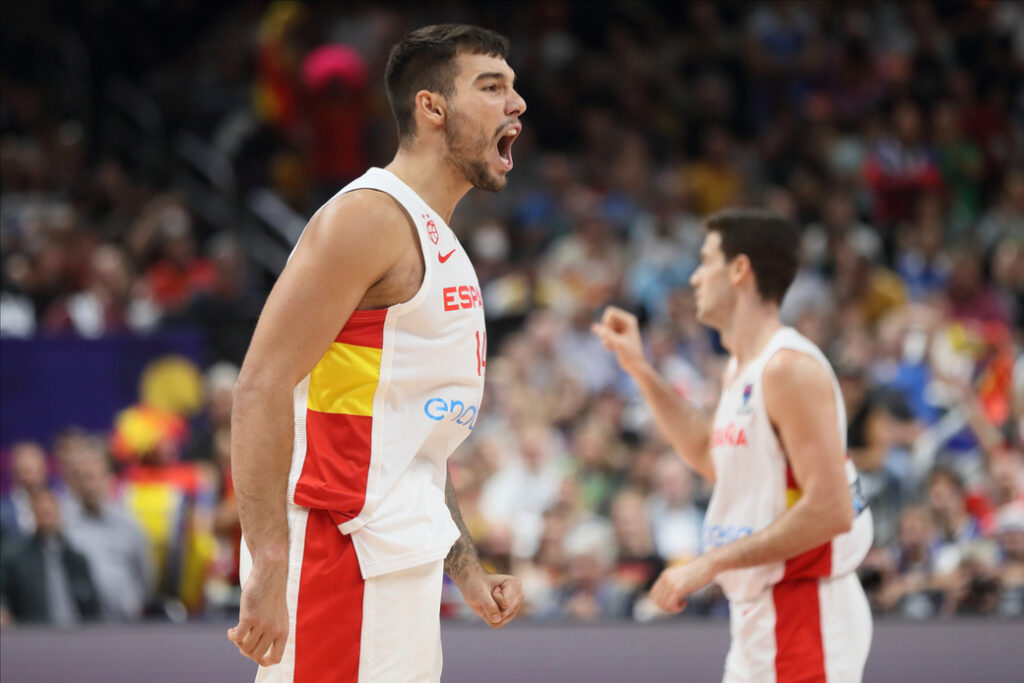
<point>620,333</point>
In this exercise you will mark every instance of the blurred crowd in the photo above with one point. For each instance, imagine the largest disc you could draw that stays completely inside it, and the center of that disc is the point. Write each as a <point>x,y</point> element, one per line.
<point>892,133</point>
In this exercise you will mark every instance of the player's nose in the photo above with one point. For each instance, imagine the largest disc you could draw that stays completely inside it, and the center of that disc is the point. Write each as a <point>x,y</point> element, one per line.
<point>516,105</point>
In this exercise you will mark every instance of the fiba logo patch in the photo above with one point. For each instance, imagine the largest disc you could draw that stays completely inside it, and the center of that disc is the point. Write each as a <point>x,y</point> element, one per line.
<point>746,408</point>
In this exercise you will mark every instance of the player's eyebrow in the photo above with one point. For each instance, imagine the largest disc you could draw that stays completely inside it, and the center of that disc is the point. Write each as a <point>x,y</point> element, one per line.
<point>493,74</point>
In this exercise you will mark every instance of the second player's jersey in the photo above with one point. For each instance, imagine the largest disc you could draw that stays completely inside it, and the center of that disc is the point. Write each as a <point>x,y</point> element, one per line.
<point>397,391</point>
<point>754,484</point>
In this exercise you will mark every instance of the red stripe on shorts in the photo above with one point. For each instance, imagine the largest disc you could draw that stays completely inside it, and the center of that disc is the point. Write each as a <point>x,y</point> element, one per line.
<point>329,614</point>
<point>799,654</point>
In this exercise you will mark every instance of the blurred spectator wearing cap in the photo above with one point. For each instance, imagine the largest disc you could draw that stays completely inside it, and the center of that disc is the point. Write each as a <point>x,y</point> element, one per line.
<point>172,501</point>
<point>42,578</point>
<point>335,80</point>
<point>99,527</point>
<point>29,476</point>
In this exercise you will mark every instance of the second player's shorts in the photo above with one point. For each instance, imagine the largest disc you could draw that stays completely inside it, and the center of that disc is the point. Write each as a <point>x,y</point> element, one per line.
<point>344,629</point>
<point>807,630</point>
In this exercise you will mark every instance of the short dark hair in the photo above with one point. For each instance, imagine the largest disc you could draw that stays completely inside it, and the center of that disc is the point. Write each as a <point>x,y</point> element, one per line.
<point>771,242</point>
<point>425,60</point>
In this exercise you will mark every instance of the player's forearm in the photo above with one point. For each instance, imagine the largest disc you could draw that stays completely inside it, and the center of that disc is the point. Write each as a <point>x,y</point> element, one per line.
<point>463,555</point>
<point>686,428</point>
<point>804,526</point>
<point>261,444</point>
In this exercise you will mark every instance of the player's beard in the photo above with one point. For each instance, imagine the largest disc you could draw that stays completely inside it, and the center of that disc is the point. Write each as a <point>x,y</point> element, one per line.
<point>468,152</point>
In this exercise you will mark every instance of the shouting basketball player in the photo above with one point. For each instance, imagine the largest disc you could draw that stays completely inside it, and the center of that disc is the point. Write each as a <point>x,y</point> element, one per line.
<point>364,373</point>
<point>786,527</point>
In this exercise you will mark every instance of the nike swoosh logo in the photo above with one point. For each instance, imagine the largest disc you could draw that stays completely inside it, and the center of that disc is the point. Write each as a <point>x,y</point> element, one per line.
<point>447,256</point>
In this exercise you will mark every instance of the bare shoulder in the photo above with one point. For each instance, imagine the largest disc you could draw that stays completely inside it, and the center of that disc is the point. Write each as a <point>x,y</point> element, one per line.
<point>794,377</point>
<point>370,212</point>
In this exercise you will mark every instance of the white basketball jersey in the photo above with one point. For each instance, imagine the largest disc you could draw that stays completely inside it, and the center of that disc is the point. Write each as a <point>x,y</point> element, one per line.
<point>754,484</point>
<point>398,390</point>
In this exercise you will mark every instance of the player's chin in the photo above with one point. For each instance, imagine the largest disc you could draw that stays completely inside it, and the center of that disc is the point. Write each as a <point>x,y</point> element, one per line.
<point>495,181</point>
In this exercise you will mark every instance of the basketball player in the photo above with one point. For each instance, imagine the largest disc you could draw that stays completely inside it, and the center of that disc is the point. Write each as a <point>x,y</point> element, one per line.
<point>364,373</point>
<point>785,527</point>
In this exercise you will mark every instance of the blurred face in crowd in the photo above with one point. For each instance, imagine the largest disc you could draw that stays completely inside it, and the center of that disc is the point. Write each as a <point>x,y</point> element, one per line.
<point>630,523</point>
<point>28,466</point>
<point>483,120</point>
<point>945,499</point>
<point>91,476</point>
<point>533,447</point>
<point>915,529</point>
<point>109,271</point>
<point>673,481</point>
<point>711,282</point>
<point>1012,541</point>
<point>1005,475</point>
<point>47,514</point>
<point>907,121</point>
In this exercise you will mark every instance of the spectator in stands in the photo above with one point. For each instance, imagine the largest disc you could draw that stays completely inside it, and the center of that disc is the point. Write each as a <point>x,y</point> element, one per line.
<point>901,167</point>
<point>1011,572</point>
<point>112,301</point>
<point>44,579</point>
<point>907,580</point>
<point>29,476</point>
<point>519,493</point>
<point>180,273</point>
<point>227,309</point>
<point>675,519</point>
<point>961,166</point>
<point>588,592</point>
<point>98,527</point>
<point>219,384</point>
<point>637,564</point>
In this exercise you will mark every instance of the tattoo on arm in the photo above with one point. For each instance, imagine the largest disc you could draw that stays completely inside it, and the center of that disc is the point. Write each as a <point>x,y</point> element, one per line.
<point>463,553</point>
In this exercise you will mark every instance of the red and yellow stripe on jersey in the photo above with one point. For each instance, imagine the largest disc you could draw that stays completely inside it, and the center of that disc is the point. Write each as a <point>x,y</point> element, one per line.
<point>339,419</point>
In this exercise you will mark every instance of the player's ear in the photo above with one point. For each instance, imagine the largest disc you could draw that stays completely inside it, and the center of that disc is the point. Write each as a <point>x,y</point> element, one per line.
<point>431,107</point>
<point>739,267</point>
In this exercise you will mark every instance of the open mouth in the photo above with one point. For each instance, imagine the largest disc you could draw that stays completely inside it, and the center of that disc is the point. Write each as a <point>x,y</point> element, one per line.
<point>505,145</point>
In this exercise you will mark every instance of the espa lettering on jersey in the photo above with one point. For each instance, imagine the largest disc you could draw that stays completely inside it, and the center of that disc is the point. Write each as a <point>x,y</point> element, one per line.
<point>462,297</point>
<point>438,409</point>
<point>730,435</point>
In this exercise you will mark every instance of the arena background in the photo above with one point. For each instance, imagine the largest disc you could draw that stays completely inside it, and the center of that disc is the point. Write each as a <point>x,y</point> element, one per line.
<point>158,160</point>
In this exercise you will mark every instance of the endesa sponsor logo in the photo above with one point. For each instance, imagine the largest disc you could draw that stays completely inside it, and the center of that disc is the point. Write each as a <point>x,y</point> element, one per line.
<point>720,534</point>
<point>729,435</point>
<point>464,296</point>
<point>438,409</point>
